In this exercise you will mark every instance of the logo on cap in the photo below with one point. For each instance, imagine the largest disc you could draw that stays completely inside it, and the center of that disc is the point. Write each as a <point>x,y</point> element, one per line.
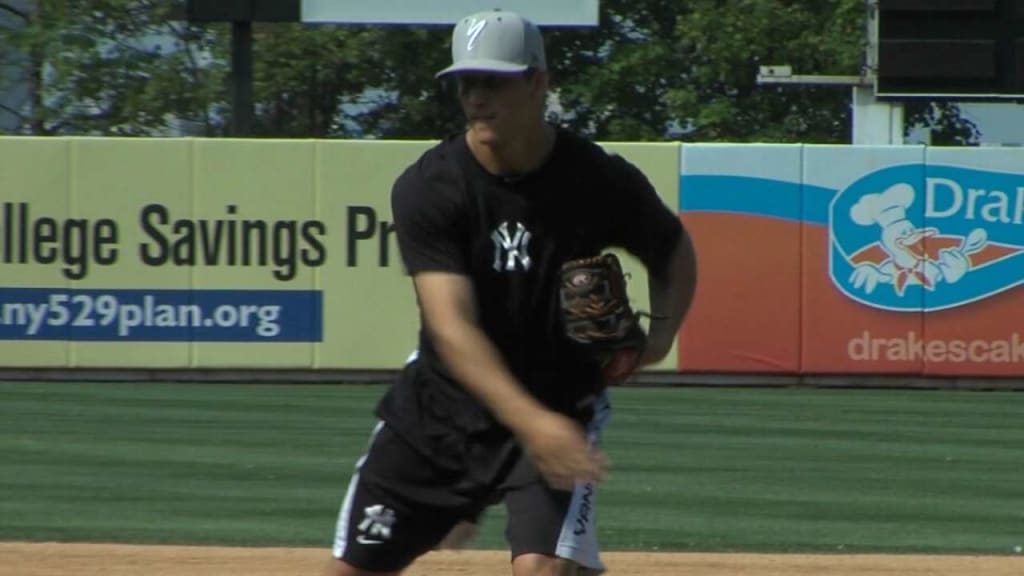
<point>474,32</point>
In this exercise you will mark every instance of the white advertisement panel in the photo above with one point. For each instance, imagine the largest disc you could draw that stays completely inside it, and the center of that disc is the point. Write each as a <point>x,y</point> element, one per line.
<point>541,12</point>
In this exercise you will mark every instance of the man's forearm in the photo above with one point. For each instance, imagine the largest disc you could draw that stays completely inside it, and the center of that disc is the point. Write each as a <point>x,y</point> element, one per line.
<point>671,294</point>
<point>476,363</point>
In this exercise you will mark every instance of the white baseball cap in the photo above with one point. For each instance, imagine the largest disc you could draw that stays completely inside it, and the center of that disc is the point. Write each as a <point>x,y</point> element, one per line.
<point>496,41</point>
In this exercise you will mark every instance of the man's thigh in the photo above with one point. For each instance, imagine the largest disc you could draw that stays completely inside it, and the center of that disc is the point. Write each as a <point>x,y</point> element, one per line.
<point>555,523</point>
<point>380,527</point>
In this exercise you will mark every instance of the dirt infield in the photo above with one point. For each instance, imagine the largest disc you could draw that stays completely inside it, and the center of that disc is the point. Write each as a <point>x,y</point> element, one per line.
<point>51,559</point>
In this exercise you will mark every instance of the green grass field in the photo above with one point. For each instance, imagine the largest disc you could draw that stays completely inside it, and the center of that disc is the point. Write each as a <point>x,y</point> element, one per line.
<point>709,469</point>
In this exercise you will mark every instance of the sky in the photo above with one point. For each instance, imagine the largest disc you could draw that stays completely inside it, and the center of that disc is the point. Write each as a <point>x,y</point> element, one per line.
<point>999,124</point>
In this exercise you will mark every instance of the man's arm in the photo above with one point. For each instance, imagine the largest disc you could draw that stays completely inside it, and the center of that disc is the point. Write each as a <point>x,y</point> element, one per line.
<point>557,444</point>
<point>671,293</point>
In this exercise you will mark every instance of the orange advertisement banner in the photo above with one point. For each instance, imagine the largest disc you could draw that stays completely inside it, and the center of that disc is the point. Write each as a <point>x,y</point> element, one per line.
<point>851,260</point>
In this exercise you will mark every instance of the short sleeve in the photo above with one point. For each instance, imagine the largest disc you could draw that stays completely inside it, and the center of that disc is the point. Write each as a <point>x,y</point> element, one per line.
<point>642,223</point>
<point>429,221</point>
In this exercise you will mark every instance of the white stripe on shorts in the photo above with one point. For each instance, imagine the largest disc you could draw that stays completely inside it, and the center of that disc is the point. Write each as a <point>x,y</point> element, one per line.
<point>341,530</point>
<point>578,539</point>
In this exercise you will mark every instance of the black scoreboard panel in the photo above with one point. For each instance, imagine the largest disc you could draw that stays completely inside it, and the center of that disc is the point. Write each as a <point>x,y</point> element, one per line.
<point>969,49</point>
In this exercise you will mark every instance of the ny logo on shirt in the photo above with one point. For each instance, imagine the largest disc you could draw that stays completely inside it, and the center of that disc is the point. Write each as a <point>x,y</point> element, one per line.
<point>510,250</point>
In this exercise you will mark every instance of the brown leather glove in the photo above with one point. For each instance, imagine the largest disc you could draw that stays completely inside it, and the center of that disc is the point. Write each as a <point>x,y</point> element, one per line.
<point>596,314</point>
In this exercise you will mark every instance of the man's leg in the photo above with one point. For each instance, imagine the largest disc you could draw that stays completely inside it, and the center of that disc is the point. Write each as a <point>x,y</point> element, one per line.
<point>380,530</point>
<point>541,565</point>
<point>554,532</point>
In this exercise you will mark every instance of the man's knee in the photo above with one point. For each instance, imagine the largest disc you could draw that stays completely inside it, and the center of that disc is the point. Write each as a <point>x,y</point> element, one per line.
<point>542,565</point>
<point>336,567</point>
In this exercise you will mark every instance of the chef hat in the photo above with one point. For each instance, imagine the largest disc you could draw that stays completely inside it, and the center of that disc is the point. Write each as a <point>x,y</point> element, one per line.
<point>885,208</point>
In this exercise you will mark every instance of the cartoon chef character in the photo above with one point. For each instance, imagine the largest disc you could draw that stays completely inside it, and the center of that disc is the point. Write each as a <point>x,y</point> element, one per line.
<point>909,262</point>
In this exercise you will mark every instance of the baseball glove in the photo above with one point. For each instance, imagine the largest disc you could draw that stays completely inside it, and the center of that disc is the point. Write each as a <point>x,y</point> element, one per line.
<point>596,314</point>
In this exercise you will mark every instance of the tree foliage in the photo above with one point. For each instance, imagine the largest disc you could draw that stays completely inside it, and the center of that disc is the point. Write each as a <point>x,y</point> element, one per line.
<point>690,68</point>
<point>312,81</point>
<point>112,67</point>
<point>653,70</point>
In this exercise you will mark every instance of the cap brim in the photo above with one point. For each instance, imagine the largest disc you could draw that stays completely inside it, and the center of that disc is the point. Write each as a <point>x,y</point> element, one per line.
<point>483,65</point>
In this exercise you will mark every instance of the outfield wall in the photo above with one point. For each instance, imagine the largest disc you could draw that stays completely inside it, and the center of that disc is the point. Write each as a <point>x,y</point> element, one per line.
<point>264,254</point>
<point>856,260</point>
<point>208,254</point>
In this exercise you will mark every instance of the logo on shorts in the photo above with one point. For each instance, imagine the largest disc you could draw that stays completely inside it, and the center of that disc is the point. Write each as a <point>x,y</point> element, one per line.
<point>927,237</point>
<point>583,515</point>
<point>376,525</point>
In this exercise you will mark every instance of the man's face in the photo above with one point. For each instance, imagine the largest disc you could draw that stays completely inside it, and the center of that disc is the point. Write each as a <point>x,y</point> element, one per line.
<point>499,106</point>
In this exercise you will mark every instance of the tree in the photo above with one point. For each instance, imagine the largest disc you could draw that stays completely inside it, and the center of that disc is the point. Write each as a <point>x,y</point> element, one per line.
<point>412,103</point>
<point>111,67</point>
<point>687,70</point>
<point>119,67</point>
<point>317,81</point>
<point>653,70</point>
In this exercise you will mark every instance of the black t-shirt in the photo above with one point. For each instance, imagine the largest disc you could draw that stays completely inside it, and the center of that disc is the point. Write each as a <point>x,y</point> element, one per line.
<point>509,236</point>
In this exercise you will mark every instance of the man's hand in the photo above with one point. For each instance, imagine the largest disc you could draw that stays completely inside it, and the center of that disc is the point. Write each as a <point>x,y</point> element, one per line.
<point>559,448</point>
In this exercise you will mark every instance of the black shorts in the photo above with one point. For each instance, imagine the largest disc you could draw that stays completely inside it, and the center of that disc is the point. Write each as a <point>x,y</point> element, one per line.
<point>400,506</point>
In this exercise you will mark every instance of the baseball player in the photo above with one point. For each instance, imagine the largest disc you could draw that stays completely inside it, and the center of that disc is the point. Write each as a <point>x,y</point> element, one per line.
<point>498,403</point>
